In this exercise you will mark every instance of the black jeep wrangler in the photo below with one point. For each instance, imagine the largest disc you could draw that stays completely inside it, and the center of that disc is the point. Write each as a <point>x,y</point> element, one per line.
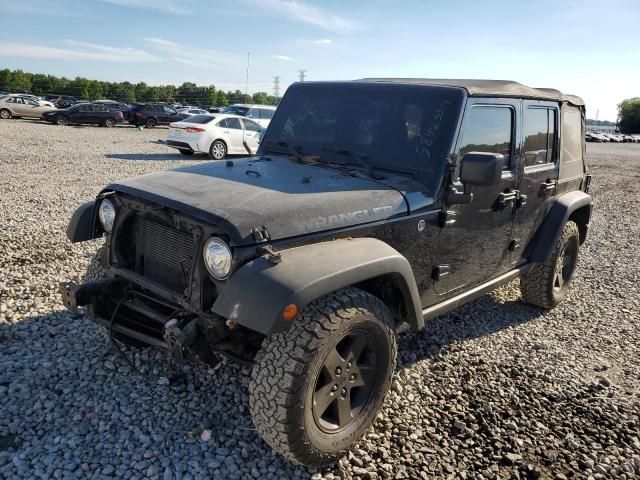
<point>370,204</point>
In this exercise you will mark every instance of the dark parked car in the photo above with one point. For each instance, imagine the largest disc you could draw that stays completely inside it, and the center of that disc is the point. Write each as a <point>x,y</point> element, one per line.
<point>152,114</point>
<point>60,101</point>
<point>113,105</point>
<point>85,113</point>
<point>370,204</point>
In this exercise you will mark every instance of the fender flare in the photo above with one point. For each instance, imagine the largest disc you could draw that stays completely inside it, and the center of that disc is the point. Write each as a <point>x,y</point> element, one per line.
<point>81,226</point>
<point>543,241</point>
<point>257,292</point>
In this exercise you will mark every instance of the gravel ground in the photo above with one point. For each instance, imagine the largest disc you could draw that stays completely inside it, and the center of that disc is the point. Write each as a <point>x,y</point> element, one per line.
<point>496,389</point>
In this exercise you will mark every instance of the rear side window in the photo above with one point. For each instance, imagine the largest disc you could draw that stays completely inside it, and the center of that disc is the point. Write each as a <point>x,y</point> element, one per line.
<point>202,119</point>
<point>539,136</point>
<point>168,110</point>
<point>571,135</point>
<point>488,129</point>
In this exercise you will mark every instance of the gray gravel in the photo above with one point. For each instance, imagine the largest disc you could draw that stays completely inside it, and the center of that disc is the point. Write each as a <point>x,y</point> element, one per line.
<point>496,389</point>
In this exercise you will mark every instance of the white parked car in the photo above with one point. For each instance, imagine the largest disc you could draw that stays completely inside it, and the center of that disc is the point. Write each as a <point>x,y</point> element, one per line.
<point>217,135</point>
<point>193,111</point>
<point>261,114</point>
<point>40,101</point>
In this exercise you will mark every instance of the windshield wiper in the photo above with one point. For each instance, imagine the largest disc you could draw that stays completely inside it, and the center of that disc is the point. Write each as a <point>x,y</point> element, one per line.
<point>359,160</point>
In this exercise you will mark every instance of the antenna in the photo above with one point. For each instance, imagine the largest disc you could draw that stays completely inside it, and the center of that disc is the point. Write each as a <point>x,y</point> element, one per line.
<point>301,75</point>
<point>276,86</point>
<point>246,85</point>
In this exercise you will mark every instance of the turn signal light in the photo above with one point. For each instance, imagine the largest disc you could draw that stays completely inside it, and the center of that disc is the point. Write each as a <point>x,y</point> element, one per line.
<point>290,312</point>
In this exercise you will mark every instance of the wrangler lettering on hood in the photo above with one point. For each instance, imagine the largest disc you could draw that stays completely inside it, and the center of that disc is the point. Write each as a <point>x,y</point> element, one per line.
<point>270,192</point>
<point>342,219</point>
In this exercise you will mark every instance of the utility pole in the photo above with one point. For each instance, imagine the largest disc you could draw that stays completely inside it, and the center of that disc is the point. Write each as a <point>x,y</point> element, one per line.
<point>246,85</point>
<point>301,75</point>
<point>276,87</point>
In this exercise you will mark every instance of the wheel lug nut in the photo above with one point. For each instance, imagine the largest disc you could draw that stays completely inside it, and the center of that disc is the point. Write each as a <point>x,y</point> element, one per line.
<point>334,388</point>
<point>348,365</point>
<point>352,376</point>
<point>344,391</point>
<point>338,370</point>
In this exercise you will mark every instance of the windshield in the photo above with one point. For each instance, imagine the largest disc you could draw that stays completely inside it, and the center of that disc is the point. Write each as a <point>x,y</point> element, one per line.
<point>403,128</point>
<point>242,111</point>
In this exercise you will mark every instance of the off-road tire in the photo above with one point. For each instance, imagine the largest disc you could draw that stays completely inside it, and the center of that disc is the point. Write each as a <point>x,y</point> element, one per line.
<point>187,153</point>
<point>287,369</point>
<point>150,123</point>
<point>218,150</point>
<point>538,286</point>
<point>5,114</point>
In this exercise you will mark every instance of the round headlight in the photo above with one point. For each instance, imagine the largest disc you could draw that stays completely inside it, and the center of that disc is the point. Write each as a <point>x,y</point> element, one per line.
<point>107,214</point>
<point>217,258</point>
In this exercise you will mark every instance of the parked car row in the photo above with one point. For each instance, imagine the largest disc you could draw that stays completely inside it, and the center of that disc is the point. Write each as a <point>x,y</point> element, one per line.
<point>601,137</point>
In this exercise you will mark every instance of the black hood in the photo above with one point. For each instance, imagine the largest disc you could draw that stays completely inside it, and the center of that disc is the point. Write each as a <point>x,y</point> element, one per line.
<point>287,198</point>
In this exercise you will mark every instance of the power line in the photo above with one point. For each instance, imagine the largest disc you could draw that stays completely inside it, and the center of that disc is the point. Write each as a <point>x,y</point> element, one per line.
<point>246,85</point>
<point>302,75</point>
<point>276,86</point>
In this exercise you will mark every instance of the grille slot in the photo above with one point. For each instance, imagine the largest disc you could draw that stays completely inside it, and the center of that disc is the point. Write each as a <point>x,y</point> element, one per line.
<point>167,255</point>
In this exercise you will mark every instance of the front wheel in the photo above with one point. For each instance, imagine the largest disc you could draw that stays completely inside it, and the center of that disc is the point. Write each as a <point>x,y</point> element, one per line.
<point>316,388</point>
<point>218,150</point>
<point>62,120</point>
<point>5,114</point>
<point>546,285</point>
<point>150,123</point>
<point>109,123</point>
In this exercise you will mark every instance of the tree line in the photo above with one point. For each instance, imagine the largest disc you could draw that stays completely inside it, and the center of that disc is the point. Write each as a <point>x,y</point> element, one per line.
<point>629,115</point>
<point>17,81</point>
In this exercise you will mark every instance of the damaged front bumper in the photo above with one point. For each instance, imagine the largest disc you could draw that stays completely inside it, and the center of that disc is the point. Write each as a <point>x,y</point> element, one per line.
<point>118,306</point>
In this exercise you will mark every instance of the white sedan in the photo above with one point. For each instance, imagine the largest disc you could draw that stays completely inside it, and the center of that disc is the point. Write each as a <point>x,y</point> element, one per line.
<point>218,135</point>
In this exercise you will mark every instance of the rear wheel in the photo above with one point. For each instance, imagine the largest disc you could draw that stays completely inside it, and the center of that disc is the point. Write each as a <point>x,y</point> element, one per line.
<point>186,152</point>
<point>547,284</point>
<point>5,114</point>
<point>150,123</point>
<point>109,123</point>
<point>62,120</point>
<point>316,388</point>
<point>218,150</point>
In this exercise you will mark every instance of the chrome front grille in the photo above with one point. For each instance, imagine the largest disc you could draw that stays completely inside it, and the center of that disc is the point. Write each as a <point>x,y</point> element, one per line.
<point>167,255</point>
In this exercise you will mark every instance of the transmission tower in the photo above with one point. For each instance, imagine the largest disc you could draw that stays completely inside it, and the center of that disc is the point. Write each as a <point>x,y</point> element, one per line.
<point>301,75</point>
<point>276,86</point>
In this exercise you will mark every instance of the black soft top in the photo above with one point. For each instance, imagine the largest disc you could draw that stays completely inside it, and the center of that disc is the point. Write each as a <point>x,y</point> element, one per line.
<point>489,88</point>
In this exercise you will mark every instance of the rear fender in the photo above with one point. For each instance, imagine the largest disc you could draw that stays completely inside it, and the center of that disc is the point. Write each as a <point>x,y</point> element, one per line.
<point>572,205</point>
<point>257,292</point>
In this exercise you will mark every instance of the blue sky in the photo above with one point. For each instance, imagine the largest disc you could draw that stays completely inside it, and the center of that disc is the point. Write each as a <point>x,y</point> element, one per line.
<point>590,48</point>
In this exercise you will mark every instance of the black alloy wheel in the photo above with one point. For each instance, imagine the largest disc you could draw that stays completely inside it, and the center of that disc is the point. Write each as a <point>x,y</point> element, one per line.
<point>344,384</point>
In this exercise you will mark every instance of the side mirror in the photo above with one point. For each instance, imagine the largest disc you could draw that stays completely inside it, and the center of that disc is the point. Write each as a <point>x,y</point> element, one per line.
<point>480,168</point>
<point>477,168</point>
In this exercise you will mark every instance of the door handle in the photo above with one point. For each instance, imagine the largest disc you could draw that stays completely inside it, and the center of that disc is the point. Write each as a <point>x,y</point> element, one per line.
<point>505,198</point>
<point>548,185</point>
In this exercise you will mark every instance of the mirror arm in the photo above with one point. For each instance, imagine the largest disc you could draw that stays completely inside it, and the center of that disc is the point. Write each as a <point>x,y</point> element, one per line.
<point>454,197</point>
